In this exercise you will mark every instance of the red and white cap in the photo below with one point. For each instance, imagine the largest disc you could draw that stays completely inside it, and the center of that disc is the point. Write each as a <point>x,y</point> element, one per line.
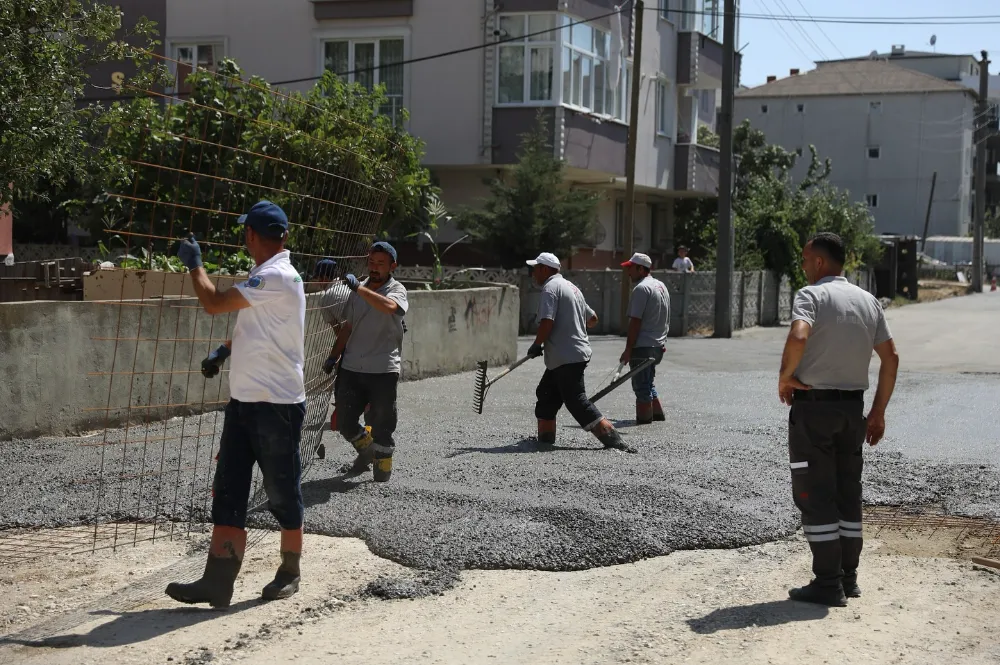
<point>638,260</point>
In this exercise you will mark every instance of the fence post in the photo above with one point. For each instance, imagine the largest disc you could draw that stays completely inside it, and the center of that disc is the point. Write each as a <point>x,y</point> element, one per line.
<point>743,299</point>
<point>685,301</point>
<point>760,297</point>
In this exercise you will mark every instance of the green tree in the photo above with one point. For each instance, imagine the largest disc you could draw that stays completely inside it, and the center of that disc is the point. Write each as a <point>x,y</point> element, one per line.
<point>211,154</point>
<point>774,216</point>
<point>707,137</point>
<point>531,208</point>
<point>47,48</point>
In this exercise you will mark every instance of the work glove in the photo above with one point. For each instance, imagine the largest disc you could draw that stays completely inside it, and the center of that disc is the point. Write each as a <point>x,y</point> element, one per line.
<point>330,364</point>
<point>352,282</point>
<point>534,350</point>
<point>210,366</point>
<point>189,253</point>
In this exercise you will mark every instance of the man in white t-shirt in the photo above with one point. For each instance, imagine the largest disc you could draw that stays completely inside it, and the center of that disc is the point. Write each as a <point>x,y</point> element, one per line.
<point>263,419</point>
<point>683,263</point>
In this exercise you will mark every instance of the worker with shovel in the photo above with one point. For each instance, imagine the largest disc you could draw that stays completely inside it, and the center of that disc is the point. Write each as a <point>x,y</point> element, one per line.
<point>648,322</point>
<point>563,320</point>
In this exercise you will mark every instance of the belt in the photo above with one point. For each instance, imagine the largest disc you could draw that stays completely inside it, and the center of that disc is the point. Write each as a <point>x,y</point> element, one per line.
<point>827,395</point>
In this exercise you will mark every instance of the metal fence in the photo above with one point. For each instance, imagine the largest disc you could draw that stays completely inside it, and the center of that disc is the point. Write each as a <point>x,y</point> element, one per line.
<point>760,298</point>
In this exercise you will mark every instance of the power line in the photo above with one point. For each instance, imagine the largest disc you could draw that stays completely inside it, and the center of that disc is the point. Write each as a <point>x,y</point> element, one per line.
<point>988,19</point>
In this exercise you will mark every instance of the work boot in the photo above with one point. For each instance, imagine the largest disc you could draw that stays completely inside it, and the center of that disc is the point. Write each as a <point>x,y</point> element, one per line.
<point>643,413</point>
<point>658,410</point>
<point>382,469</point>
<point>286,581</point>
<point>225,557</point>
<point>362,444</point>
<point>820,595</point>
<point>546,432</point>
<point>851,588</point>
<point>609,436</point>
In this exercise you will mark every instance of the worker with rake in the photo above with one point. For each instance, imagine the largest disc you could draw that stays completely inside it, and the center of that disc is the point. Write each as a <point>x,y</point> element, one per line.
<point>368,353</point>
<point>263,419</point>
<point>563,319</point>
<point>648,322</point>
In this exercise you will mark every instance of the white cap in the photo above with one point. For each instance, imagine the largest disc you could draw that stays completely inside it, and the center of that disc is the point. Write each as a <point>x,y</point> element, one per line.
<point>546,259</point>
<point>639,260</point>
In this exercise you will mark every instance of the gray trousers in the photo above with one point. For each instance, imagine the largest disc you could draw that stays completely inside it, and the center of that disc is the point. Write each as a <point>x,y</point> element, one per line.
<point>825,445</point>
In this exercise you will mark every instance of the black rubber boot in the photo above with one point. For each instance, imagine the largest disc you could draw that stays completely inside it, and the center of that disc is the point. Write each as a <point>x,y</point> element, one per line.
<point>851,588</point>
<point>612,439</point>
<point>811,593</point>
<point>215,586</point>
<point>286,581</point>
<point>382,469</point>
<point>363,446</point>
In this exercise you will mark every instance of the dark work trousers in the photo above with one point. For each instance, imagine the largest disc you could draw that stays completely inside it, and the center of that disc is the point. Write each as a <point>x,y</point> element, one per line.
<point>642,383</point>
<point>825,444</point>
<point>269,435</point>
<point>564,385</point>
<point>354,391</point>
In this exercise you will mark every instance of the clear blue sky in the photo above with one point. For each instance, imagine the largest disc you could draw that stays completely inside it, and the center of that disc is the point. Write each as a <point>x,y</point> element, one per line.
<point>768,50</point>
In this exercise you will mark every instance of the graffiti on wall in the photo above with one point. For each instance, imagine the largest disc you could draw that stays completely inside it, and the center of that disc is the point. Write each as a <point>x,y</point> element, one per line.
<point>479,309</point>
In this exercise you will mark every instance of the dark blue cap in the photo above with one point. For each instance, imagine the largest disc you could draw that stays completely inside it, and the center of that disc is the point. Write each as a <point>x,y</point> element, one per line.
<point>383,246</point>
<point>325,268</point>
<point>267,219</point>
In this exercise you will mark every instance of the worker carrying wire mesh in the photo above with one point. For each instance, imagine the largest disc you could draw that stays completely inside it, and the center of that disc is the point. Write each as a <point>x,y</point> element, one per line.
<point>263,419</point>
<point>367,354</point>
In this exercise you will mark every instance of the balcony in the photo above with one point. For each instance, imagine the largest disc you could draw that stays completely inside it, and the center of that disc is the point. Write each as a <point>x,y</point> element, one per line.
<point>696,169</point>
<point>699,61</point>
<point>588,143</point>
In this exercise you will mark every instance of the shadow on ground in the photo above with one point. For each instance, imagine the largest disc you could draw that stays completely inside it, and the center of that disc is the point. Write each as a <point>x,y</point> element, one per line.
<point>761,615</point>
<point>134,627</point>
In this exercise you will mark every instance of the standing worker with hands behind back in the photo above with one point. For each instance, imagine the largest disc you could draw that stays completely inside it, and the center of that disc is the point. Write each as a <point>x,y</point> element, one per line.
<point>648,324</point>
<point>263,421</point>
<point>824,375</point>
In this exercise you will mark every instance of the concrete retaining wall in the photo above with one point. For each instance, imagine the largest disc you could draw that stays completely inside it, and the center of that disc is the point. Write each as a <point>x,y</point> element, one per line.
<point>57,358</point>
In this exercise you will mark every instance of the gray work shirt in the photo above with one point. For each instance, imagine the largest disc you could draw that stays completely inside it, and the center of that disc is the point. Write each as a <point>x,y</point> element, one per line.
<point>847,323</point>
<point>563,303</point>
<point>376,338</point>
<point>333,303</point>
<point>650,303</point>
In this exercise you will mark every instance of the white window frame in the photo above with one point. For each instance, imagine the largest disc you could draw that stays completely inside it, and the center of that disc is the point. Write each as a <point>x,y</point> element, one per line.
<point>877,149</point>
<point>688,22</point>
<point>217,42</point>
<point>665,11</point>
<point>666,112</point>
<point>365,35</point>
<point>622,95</point>
<point>871,200</point>
<point>528,45</point>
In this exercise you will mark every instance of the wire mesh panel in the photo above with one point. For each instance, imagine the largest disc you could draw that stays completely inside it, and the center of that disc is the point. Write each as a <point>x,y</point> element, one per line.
<point>195,162</point>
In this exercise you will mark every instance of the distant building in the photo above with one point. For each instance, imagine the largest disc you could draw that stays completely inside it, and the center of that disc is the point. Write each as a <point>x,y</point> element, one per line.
<point>887,128</point>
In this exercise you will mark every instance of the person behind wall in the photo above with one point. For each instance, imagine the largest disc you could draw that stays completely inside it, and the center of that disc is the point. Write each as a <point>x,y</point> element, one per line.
<point>648,324</point>
<point>564,317</point>
<point>683,262</point>
<point>823,377</point>
<point>263,418</point>
<point>368,354</point>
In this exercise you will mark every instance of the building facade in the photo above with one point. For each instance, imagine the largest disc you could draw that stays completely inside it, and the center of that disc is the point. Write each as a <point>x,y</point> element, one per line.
<point>558,58</point>
<point>887,130</point>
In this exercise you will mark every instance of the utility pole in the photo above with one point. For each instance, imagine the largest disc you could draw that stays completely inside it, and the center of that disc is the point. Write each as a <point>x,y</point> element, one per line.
<point>725,251</point>
<point>982,123</point>
<point>927,217</point>
<point>633,135</point>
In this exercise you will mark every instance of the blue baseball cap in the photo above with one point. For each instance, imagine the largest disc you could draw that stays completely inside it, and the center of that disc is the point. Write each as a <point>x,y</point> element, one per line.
<point>267,219</point>
<point>324,268</point>
<point>383,246</point>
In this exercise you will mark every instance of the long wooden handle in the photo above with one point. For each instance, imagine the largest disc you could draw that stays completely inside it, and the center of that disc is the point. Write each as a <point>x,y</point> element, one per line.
<point>508,370</point>
<point>617,382</point>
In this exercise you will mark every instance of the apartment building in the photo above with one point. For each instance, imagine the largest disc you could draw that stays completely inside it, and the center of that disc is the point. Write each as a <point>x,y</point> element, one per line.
<point>470,108</point>
<point>887,130</point>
